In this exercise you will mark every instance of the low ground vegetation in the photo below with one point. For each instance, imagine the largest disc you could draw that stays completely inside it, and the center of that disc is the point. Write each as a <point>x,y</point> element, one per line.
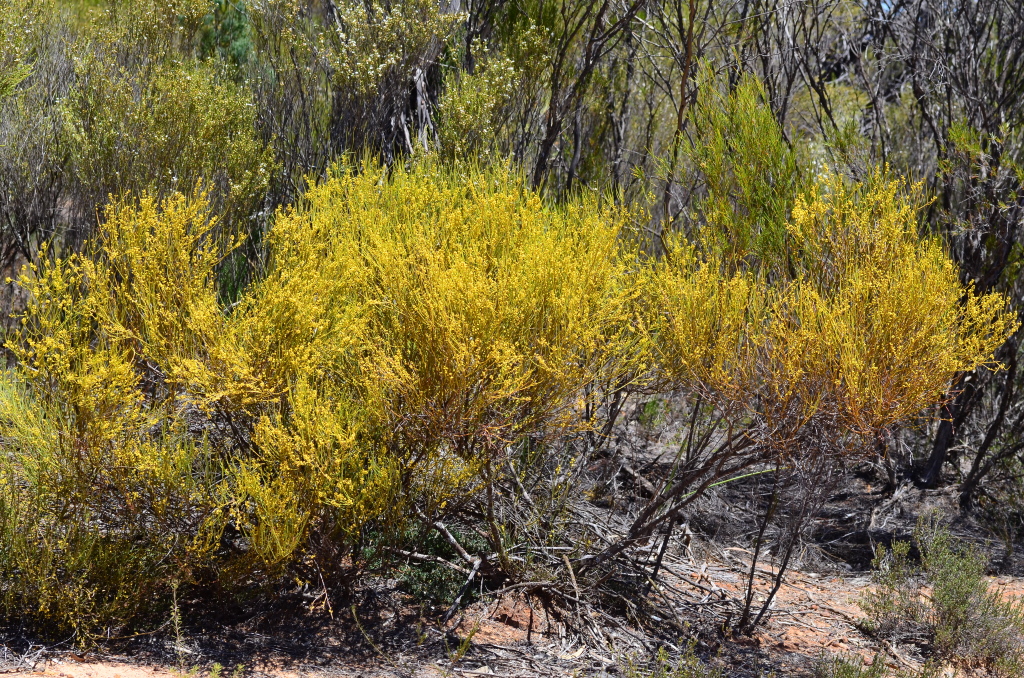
<point>944,603</point>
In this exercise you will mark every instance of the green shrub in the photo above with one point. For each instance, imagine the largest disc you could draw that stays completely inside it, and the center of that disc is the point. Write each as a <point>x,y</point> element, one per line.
<point>344,78</point>
<point>165,130</point>
<point>114,107</point>
<point>894,606</point>
<point>226,33</point>
<point>970,620</point>
<point>962,619</point>
<point>471,113</point>
<point>434,582</point>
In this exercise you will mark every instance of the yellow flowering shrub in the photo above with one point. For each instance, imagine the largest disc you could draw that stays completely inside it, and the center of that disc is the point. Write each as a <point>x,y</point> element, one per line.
<point>108,494</point>
<point>412,326</point>
<point>484,312</point>
<point>414,329</point>
<point>893,320</point>
<point>865,320</point>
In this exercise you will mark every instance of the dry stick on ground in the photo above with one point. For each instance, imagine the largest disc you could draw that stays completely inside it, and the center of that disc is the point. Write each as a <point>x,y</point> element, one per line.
<point>648,489</point>
<point>575,586</point>
<point>428,559</point>
<point>673,499</point>
<point>462,591</point>
<point>550,587</point>
<point>440,527</point>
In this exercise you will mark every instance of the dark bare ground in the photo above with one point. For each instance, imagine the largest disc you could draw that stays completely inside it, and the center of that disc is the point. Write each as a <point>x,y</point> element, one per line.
<point>382,631</point>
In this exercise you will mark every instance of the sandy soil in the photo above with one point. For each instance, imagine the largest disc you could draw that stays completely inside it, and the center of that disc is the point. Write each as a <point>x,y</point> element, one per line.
<point>514,636</point>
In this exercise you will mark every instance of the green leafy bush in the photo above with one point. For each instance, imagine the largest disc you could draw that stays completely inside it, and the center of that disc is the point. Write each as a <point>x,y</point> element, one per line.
<point>838,666</point>
<point>970,620</point>
<point>165,130</point>
<point>435,582</point>
<point>226,33</point>
<point>961,618</point>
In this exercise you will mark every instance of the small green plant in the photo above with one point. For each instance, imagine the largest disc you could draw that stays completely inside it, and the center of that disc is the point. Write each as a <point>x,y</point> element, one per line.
<point>962,620</point>
<point>894,607</point>
<point>217,671</point>
<point>179,641</point>
<point>852,666</point>
<point>432,582</point>
<point>459,653</point>
<point>686,665</point>
<point>652,413</point>
<point>842,666</point>
<point>969,620</point>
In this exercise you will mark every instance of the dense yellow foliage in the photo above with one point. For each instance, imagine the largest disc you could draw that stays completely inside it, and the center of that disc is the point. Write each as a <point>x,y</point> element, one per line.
<point>864,322</point>
<point>893,322</point>
<point>475,332</point>
<point>409,330</point>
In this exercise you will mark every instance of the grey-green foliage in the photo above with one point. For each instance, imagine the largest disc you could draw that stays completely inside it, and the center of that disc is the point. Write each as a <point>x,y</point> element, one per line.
<point>852,666</point>
<point>686,665</point>
<point>970,620</point>
<point>112,109</point>
<point>961,619</point>
<point>37,72</point>
<point>840,666</point>
<point>895,608</point>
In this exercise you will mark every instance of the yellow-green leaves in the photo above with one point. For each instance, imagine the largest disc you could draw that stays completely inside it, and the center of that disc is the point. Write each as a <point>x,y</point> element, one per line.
<point>412,328</point>
<point>185,127</point>
<point>483,313</point>
<point>860,319</point>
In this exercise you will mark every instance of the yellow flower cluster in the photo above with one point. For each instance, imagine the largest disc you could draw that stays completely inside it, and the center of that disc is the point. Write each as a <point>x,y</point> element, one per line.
<point>861,319</point>
<point>410,328</point>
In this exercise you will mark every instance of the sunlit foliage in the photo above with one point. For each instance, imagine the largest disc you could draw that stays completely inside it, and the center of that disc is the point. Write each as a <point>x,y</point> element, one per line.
<point>238,358</point>
<point>411,328</point>
<point>862,318</point>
